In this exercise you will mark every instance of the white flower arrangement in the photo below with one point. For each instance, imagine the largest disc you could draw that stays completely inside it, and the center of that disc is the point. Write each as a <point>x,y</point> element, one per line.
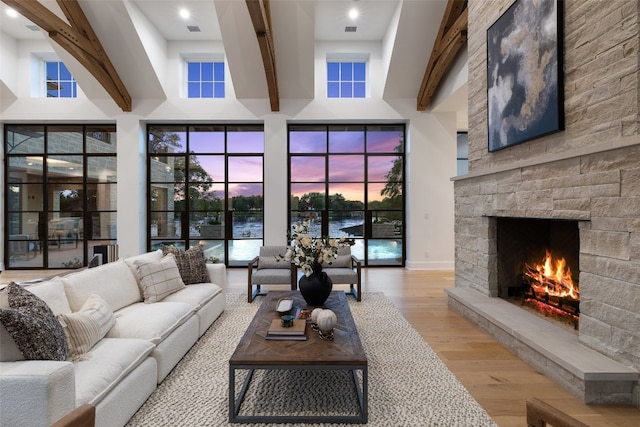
<point>310,253</point>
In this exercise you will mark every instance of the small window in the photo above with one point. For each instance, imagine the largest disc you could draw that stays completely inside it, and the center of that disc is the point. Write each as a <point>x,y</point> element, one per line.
<point>462,157</point>
<point>59,83</point>
<point>205,79</point>
<point>346,79</point>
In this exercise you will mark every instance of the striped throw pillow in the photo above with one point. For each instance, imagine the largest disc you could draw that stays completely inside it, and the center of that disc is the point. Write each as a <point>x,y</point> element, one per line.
<point>87,326</point>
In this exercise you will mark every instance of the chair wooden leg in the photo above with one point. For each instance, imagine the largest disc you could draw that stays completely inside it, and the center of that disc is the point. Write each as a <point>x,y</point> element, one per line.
<point>355,292</point>
<point>251,295</point>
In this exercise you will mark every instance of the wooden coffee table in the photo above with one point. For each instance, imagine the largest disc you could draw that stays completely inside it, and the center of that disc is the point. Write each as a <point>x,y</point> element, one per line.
<point>345,352</point>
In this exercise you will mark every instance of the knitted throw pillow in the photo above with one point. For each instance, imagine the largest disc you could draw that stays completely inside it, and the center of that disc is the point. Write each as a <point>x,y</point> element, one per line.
<point>191,264</point>
<point>32,324</point>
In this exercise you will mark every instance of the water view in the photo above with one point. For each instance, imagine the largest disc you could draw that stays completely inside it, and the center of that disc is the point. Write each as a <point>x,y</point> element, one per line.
<point>247,239</point>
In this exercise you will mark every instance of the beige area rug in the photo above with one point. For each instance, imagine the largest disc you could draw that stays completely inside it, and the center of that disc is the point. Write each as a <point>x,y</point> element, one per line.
<point>408,384</point>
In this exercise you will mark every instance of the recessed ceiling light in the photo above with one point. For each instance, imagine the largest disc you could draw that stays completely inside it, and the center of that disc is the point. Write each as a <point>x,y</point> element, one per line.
<point>184,13</point>
<point>353,13</point>
<point>12,13</point>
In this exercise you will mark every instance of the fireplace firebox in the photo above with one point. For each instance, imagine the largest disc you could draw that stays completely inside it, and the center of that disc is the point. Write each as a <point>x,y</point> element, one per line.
<point>538,266</point>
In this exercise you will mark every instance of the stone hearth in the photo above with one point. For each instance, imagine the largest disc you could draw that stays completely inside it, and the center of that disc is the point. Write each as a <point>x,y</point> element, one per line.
<point>550,349</point>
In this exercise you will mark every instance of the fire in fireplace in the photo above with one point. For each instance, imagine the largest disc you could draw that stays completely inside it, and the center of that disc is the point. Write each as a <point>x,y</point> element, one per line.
<point>538,266</point>
<point>549,287</point>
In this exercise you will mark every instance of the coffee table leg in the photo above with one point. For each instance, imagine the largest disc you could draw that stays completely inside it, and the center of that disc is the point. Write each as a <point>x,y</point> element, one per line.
<point>362,392</point>
<point>365,394</point>
<point>234,405</point>
<point>232,394</point>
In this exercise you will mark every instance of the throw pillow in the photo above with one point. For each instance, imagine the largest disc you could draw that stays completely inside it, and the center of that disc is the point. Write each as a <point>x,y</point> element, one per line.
<point>158,278</point>
<point>86,327</point>
<point>191,264</point>
<point>32,324</point>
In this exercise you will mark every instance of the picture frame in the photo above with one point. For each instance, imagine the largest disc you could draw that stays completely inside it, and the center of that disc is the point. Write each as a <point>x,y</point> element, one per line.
<point>525,83</point>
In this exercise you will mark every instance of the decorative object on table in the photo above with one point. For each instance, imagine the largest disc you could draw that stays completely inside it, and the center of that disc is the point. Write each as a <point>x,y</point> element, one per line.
<point>309,254</point>
<point>284,305</point>
<point>326,322</point>
<point>278,331</point>
<point>315,288</point>
<point>525,88</point>
<point>287,321</point>
<point>314,316</point>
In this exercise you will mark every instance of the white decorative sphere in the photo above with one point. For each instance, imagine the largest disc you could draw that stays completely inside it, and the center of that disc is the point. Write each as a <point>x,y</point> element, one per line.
<point>314,315</point>
<point>326,320</point>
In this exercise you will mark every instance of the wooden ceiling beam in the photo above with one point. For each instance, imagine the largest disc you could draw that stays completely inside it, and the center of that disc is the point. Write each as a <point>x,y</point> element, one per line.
<point>79,40</point>
<point>452,36</point>
<point>261,19</point>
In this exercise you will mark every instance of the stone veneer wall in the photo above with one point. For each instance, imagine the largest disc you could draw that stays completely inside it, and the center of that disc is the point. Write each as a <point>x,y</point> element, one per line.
<point>590,171</point>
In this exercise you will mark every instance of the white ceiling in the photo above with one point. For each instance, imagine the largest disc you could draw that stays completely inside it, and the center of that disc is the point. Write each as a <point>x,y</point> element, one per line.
<point>413,23</point>
<point>330,19</point>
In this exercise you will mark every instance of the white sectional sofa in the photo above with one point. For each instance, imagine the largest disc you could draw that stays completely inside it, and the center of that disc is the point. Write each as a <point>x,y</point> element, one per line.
<point>144,341</point>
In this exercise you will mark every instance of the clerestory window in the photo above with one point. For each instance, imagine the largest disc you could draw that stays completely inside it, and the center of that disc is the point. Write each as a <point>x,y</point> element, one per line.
<point>346,79</point>
<point>205,79</point>
<point>59,83</point>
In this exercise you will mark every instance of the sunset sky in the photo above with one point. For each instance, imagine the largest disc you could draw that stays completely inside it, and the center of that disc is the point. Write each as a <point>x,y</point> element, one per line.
<point>344,151</point>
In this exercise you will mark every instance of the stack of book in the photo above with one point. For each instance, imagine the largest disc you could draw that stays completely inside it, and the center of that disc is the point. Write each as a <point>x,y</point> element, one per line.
<point>297,332</point>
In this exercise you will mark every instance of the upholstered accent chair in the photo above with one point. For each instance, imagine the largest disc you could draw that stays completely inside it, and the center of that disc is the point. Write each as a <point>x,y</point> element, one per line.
<point>346,269</point>
<point>269,269</point>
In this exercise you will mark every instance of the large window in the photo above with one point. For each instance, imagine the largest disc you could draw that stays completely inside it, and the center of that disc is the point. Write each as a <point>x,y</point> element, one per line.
<point>349,180</point>
<point>60,194</point>
<point>206,188</point>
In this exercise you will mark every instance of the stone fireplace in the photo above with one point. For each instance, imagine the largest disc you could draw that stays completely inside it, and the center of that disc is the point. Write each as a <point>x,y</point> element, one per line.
<point>584,179</point>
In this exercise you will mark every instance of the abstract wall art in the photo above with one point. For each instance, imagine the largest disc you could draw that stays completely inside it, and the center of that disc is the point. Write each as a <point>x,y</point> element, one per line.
<point>525,91</point>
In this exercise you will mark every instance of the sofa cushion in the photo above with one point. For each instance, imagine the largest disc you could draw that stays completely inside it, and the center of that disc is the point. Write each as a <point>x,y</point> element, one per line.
<point>88,326</point>
<point>52,292</point>
<point>191,263</point>
<point>196,295</point>
<point>31,324</point>
<point>111,361</point>
<point>147,256</point>
<point>158,279</point>
<point>113,281</point>
<point>152,322</point>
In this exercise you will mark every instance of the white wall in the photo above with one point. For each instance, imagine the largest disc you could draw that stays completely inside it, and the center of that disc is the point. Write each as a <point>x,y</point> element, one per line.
<point>431,150</point>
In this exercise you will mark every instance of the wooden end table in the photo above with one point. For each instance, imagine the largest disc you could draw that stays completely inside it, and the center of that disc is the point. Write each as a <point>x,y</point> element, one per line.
<point>345,352</point>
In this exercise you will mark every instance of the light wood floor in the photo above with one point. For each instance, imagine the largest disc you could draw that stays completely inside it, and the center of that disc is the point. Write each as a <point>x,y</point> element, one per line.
<point>497,379</point>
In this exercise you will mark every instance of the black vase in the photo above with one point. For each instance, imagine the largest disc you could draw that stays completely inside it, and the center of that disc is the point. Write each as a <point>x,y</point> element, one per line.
<point>316,287</point>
